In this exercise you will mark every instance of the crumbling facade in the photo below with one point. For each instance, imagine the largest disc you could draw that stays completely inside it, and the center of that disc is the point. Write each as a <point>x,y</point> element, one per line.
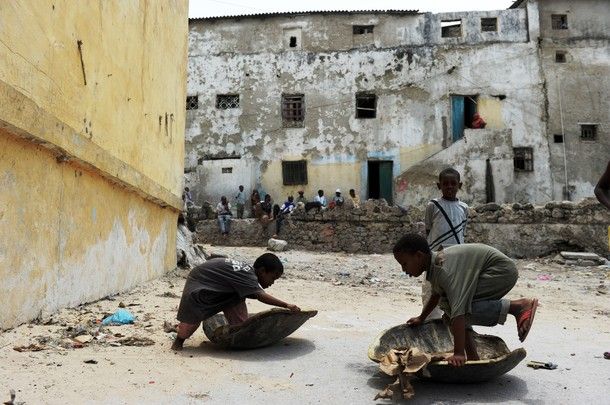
<point>91,149</point>
<point>381,102</point>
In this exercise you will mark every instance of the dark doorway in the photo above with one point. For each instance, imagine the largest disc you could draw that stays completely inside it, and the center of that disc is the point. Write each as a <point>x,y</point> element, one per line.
<point>463,109</point>
<point>380,179</point>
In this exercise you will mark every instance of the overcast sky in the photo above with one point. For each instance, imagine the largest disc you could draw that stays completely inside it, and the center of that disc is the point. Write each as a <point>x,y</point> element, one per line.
<point>210,8</point>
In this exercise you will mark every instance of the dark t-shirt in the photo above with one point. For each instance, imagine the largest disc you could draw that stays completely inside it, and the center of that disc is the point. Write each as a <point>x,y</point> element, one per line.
<point>215,285</point>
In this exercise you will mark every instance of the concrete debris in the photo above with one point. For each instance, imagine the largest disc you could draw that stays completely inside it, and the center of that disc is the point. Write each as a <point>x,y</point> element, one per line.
<point>32,347</point>
<point>276,245</point>
<point>583,258</point>
<point>188,254</point>
<point>83,338</point>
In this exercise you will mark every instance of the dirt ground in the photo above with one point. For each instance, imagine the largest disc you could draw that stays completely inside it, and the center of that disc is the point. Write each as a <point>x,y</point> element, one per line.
<point>323,362</point>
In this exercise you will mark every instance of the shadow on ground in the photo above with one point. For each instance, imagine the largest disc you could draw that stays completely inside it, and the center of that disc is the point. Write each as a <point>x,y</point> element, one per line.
<point>286,349</point>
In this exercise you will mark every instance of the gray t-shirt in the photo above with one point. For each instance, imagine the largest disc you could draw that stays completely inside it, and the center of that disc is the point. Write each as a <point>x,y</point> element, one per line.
<point>440,233</point>
<point>215,285</point>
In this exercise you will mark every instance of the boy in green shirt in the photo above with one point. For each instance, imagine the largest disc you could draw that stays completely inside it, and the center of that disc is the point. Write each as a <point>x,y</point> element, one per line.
<point>469,281</point>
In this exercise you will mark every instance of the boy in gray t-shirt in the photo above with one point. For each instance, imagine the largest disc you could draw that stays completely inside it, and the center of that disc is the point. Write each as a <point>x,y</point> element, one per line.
<point>222,284</point>
<point>445,222</point>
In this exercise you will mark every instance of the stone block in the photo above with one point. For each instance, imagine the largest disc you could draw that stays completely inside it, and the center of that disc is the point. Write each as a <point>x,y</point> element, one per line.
<point>277,245</point>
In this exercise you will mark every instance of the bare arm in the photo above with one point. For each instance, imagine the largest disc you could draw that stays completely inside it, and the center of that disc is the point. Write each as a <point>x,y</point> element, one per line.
<point>602,189</point>
<point>458,329</point>
<point>430,305</point>
<point>271,300</point>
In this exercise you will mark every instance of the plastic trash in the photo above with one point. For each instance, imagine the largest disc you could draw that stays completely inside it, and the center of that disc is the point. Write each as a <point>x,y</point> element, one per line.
<point>120,317</point>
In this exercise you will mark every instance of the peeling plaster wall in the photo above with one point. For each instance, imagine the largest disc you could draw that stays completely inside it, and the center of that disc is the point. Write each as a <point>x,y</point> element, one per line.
<point>417,185</point>
<point>577,91</point>
<point>91,149</point>
<point>408,65</point>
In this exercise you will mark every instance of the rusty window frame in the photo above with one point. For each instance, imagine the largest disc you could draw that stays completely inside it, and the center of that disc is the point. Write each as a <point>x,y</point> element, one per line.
<point>293,110</point>
<point>363,105</point>
<point>523,159</point>
<point>294,172</point>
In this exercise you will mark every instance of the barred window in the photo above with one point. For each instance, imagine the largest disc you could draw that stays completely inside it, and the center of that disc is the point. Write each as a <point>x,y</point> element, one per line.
<point>523,159</point>
<point>227,101</point>
<point>293,110</point>
<point>559,21</point>
<point>227,170</point>
<point>192,102</point>
<point>560,57</point>
<point>294,172</point>
<point>489,24</point>
<point>588,132</point>
<point>366,105</point>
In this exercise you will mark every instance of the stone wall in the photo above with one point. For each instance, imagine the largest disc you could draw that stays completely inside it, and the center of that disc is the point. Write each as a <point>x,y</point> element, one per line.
<point>518,230</point>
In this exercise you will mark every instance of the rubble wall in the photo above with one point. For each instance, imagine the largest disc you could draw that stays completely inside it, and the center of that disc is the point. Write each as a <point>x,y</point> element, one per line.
<point>520,231</point>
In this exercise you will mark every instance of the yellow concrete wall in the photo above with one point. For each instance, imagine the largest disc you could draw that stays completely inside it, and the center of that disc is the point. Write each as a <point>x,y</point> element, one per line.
<point>134,57</point>
<point>327,176</point>
<point>490,109</point>
<point>90,174</point>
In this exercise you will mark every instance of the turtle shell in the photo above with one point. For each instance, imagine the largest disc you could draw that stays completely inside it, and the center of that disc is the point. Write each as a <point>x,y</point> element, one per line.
<point>435,337</point>
<point>261,329</point>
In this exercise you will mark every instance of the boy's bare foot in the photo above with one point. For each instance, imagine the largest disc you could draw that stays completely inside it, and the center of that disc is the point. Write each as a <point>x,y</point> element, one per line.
<point>178,344</point>
<point>525,318</point>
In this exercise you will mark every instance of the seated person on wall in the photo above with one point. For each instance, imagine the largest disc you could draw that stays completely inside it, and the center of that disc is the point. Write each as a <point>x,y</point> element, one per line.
<point>264,211</point>
<point>301,198</point>
<point>320,199</point>
<point>470,281</point>
<point>284,211</point>
<point>338,199</point>
<point>223,209</point>
<point>222,284</point>
<point>477,122</point>
<point>355,200</point>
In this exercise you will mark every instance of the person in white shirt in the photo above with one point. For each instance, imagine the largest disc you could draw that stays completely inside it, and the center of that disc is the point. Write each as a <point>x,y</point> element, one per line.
<point>223,209</point>
<point>320,199</point>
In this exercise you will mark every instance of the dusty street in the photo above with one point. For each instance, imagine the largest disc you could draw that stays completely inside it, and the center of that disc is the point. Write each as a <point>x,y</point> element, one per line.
<point>323,362</point>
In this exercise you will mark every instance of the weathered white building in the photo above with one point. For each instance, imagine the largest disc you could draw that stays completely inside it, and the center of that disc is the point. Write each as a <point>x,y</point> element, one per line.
<point>381,102</point>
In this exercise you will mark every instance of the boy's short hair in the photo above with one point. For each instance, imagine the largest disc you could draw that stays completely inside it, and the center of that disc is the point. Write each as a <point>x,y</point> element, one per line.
<point>450,171</point>
<point>411,243</point>
<point>270,262</point>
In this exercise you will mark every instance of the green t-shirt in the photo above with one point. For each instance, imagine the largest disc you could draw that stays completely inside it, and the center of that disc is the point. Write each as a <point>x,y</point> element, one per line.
<point>467,272</point>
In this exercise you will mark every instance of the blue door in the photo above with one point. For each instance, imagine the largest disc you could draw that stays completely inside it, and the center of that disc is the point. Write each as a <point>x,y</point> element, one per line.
<point>457,117</point>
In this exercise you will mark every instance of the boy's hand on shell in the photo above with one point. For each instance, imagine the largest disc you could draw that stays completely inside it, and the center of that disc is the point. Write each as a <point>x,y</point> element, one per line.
<point>293,308</point>
<point>456,360</point>
<point>416,321</point>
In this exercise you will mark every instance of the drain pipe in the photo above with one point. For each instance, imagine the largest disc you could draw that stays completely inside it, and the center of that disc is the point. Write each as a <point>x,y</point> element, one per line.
<point>566,193</point>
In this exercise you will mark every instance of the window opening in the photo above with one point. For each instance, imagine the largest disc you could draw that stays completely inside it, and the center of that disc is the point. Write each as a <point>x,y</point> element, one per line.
<point>227,170</point>
<point>558,138</point>
<point>293,42</point>
<point>227,101</point>
<point>489,24</point>
<point>463,109</point>
<point>192,102</point>
<point>366,105</point>
<point>293,110</point>
<point>559,21</point>
<point>560,57</point>
<point>588,132</point>
<point>451,28</point>
<point>294,172</point>
<point>362,29</point>
<point>523,159</point>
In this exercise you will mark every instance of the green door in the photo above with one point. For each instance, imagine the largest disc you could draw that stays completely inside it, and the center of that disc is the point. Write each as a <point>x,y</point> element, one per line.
<point>385,181</point>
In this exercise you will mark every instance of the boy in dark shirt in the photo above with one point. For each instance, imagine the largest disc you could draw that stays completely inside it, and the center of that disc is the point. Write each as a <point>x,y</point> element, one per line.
<point>223,284</point>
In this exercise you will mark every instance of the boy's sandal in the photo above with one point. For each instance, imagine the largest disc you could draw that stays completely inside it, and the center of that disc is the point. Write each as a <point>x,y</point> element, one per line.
<point>525,320</point>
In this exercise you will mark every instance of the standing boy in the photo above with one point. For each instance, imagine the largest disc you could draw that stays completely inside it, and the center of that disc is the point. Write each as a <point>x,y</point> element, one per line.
<point>223,284</point>
<point>470,281</point>
<point>240,202</point>
<point>445,221</point>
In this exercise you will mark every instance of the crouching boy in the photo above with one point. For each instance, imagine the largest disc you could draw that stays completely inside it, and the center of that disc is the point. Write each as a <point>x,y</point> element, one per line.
<point>222,284</point>
<point>469,281</point>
